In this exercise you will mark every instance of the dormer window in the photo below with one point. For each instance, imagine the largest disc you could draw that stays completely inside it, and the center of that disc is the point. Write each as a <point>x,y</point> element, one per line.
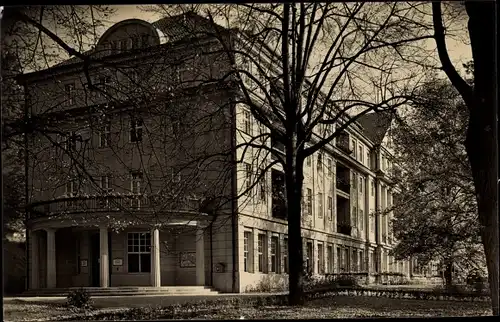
<point>135,42</point>
<point>114,47</point>
<point>70,93</point>
<point>123,45</point>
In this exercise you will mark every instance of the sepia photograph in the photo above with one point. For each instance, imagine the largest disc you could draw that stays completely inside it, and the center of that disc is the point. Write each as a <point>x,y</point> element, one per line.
<point>271,160</point>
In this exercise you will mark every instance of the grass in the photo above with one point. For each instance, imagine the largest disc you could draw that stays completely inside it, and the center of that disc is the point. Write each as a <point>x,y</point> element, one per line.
<point>329,307</point>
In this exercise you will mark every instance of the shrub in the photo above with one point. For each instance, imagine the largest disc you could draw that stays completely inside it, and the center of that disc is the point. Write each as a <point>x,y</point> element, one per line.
<point>345,280</point>
<point>79,299</point>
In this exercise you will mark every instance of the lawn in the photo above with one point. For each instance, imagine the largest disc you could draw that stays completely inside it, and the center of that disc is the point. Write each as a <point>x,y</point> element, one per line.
<point>329,307</point>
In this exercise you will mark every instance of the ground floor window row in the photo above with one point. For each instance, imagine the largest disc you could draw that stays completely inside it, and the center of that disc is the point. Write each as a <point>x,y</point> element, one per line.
<point>267,252</point>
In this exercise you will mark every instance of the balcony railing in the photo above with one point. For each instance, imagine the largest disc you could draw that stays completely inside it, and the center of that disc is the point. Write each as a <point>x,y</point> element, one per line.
<point>343,186</point>
<point>344,229</point>
<point>110,203</point>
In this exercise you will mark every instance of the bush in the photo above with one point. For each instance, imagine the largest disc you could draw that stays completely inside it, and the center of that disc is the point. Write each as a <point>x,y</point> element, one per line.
<point>345,280</point>
<point>79,299</point>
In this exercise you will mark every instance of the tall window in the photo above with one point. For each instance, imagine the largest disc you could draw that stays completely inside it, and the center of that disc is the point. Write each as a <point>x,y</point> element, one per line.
<point>329,259</point>
<point>274,254</point>
<point>105,135</point>
<point>105,184</point>
<point>361,154</point>
<point>361,219</point>
<point>260,251</point>
<point>123,45</point>
<point>248,177</point>
<point>329,165</point>
<point>339,260</point>
<point>69,90</point>
<point>345,260</point>
<point>262,132</point>
<point>330,208</point>
<point>353,146</point>
<point>368,158</point>
<point>139,252</point>
<point>285,255</point>
<point>309,257</point>
<point>135,188</point>
<point>320,161</point>
<point>308,161</point>
<point>320,205</point>
<point>354,260</point>
<point>309,202</point>
<point>262,186</point>
<point>71,188</point>
<point>321,259</point>
<point>373,187</point>
<point>361,179</point>
<point>247,122</point>
<point>355,215</point>
<point>362,267</point>
<point>246,250</point>
<point>135,130</point>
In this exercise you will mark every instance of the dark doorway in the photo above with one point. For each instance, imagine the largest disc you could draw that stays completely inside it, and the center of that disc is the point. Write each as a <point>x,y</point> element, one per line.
<point>94,260</point>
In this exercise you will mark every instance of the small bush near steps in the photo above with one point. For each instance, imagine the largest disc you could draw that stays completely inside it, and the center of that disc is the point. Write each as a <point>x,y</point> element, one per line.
<point>79,300</point>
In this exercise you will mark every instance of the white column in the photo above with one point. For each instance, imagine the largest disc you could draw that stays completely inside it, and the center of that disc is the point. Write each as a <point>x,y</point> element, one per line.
<point>104,258</point>
<point>155,258</point>
<point>200,257</point>
<point>35,262</point>
<point>51,258</point>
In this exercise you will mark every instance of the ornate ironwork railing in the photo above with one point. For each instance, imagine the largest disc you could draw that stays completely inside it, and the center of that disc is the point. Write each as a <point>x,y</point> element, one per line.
<point>111,203</point>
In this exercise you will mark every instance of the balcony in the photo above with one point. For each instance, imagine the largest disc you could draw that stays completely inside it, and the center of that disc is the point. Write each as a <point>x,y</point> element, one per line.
<point>112,203</point>
<point>344,228</point>
<point>343,186</point>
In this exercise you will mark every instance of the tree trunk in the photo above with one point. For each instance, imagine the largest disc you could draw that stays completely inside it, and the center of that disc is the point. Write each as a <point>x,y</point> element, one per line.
<point>482,131</point>
<point>293,182</point>
<point>448,274</point>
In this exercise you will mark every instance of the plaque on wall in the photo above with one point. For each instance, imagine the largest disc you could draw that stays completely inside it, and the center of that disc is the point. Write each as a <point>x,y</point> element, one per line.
<point>117,262</point>
<point>188,259</point>
<point>84,263</point>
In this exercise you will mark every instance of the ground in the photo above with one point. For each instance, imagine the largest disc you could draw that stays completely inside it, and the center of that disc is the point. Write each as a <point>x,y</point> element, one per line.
<point>330,307</point>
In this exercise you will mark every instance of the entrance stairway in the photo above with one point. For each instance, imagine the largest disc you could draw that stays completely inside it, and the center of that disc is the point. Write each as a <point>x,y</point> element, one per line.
<point>127,291</point>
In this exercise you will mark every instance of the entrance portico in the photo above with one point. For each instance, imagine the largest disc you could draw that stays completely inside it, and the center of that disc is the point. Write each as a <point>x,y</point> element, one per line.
<point>172,254</point>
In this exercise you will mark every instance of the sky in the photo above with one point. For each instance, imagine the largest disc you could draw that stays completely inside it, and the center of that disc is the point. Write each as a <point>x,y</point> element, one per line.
<point>458,51</point>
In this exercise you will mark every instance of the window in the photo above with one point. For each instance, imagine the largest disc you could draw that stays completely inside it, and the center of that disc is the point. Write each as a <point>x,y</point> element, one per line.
<point>373,187</point>
<point>330,208</point>
<point>135,184</point>
<point>361,154</point>
<point>247,122</point>
<point>368,157</point>
<point>320,161</point>
<point>69,90</point>
<point>260,251</point>
<point>329,165</point>
<point>105,184</point>
<point>71,188</point>
<point>246,250</point>
<point>262,186</point>
<point>308,161</point>
<point>361,219</point>
<point>262,132</point>
<point>320,205</point>
<point>354,261</point>
<point>135,188</point>
<point>123,45</point>
<point>135,130</point>
<point>339,260</point>
<point>309,257</point>
<point>329,259</point>
<point>361,262</point>
<point>105,136</point>
<point>139,252</point>
<point>135,42</point>
<point>321,260</point>
<point>104,82</point>
<point>361,184</point>
<point>354,181</point>
<point>285,255</point>
<point>248,177</point>
<point>346,260</point>
<point>114,47</point>
<point>353,147</point>
<point>354,215</point>
<point>309,202</point>
<point>274,254</point>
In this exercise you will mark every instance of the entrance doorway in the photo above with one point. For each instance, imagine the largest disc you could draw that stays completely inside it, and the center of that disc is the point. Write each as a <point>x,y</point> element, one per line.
<point>95,269</point>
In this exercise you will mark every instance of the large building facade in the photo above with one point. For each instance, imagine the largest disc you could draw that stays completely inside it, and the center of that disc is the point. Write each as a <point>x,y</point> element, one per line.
<point>122,194</point>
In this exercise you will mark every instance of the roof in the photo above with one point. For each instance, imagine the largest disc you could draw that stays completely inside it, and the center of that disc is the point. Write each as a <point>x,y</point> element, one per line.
<point>375,125</point>
<point>175,28</point>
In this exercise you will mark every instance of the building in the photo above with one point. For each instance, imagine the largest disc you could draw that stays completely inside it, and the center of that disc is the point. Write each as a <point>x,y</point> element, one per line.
<point>119,196</point>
